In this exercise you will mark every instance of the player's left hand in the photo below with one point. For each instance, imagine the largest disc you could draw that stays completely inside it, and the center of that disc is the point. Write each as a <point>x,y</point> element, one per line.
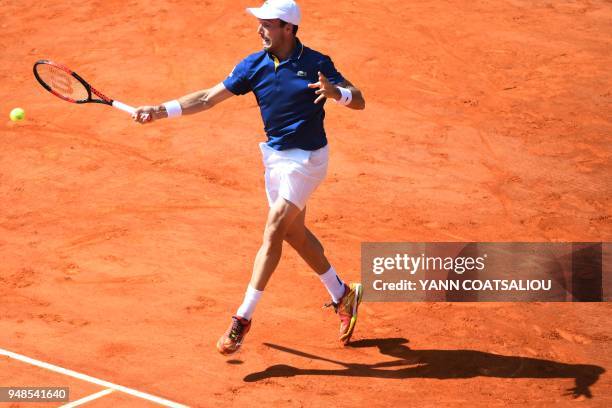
<point>326,89</point>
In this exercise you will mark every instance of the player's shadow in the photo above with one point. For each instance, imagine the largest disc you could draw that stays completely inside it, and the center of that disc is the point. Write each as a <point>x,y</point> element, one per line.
<point>440,364</point>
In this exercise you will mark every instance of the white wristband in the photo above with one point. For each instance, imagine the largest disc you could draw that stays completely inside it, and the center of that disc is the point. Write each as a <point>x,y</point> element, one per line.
<point>173,108</point>
<point>346,96</point>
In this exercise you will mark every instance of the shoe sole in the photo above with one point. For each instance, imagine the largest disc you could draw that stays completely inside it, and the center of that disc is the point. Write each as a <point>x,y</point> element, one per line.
<point>225,351</point>
<point>346,337</point>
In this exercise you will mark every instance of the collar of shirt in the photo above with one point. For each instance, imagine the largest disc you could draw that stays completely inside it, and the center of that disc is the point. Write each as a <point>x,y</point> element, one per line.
<point>295,55</point>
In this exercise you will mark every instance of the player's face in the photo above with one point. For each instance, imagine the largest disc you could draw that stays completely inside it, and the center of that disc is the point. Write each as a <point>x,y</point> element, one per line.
<point>273,36</point>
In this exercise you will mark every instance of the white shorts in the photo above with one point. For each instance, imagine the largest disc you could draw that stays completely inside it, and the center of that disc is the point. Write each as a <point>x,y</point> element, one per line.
<point>293,174</point>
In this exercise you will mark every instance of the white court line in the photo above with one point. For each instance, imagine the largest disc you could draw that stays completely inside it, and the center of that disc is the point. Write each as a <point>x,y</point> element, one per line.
<point>93,380</point>
<point>88,398</point>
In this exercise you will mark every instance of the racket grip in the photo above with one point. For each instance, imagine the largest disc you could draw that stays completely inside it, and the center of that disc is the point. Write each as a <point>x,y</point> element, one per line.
<point>123,107</point>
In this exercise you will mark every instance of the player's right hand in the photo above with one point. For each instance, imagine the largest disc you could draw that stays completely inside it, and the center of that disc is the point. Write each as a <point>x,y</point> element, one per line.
<point>145,114</point>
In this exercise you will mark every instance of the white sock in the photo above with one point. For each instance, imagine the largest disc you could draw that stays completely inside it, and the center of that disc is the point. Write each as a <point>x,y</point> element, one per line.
<point>251,297</point>
<point>333,284</point>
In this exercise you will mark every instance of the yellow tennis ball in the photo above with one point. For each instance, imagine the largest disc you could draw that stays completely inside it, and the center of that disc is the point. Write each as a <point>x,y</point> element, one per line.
<point>17,114</point>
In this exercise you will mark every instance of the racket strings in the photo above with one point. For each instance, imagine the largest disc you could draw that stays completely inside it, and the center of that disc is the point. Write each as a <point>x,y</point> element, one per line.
<point>62,82</point>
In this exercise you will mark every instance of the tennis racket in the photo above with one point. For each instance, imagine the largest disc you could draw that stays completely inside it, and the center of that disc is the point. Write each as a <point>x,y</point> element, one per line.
<point>69,86</point>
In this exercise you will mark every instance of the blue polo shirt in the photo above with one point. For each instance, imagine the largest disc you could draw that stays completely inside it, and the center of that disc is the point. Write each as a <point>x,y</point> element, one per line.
<point>290,116</point>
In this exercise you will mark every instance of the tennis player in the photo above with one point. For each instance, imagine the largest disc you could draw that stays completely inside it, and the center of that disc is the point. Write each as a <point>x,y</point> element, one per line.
<point>291,83</point>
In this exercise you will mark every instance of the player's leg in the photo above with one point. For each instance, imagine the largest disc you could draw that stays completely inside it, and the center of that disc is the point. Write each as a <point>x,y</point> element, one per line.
<point>345,298</point>
<point>307,245</point>
<point>281,215</point>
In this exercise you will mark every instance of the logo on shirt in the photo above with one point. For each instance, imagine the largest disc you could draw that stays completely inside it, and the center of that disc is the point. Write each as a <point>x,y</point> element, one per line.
<point>301,74</point>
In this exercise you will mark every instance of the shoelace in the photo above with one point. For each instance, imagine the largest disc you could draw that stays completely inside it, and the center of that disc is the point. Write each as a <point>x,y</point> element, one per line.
<point>332,303</point>
<point>236,330</point>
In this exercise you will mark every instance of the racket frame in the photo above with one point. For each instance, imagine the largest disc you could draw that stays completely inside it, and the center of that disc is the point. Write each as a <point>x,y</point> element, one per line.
<point>90,89</point>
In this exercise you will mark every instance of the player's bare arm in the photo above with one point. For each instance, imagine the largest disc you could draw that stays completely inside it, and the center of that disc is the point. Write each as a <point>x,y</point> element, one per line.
<point>358,101</point>
<point>328,90</point>
<point>192,103</point>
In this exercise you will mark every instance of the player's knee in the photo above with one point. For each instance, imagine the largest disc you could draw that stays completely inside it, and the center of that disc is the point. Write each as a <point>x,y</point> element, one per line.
<point>273,234</point>
<point>281,216</point>
<point>275,230</point>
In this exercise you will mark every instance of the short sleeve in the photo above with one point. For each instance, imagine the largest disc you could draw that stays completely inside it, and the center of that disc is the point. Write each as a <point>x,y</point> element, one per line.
<point>238,80</point>
<point>327,68</point>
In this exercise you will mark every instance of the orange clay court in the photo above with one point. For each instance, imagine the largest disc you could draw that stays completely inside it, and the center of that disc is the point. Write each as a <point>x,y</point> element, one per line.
<point>124,249</point>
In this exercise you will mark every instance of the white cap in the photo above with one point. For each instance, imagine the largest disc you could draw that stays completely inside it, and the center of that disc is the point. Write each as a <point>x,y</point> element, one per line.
<point>286,10</point>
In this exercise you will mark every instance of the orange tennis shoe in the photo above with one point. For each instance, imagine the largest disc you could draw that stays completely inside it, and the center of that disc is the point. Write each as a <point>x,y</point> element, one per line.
<point>232,339</point>
<point>347,309</point>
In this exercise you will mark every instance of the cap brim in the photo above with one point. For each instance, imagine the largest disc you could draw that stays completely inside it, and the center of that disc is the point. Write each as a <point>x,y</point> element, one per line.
<point>264,14</point>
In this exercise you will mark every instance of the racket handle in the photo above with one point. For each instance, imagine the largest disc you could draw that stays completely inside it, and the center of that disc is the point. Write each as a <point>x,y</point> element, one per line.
<point>123,107</point>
